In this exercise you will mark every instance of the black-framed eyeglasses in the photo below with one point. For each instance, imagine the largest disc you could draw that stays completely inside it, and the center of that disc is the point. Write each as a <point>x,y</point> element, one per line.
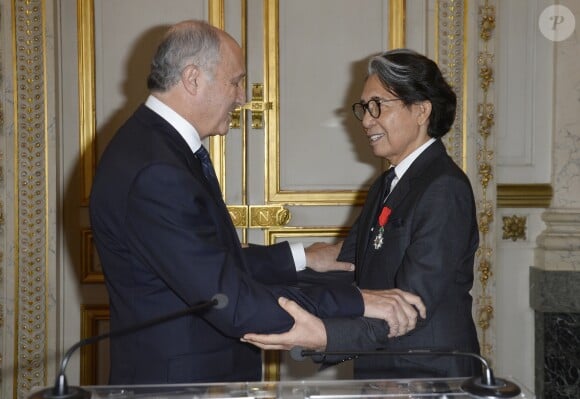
<point>373,107</point>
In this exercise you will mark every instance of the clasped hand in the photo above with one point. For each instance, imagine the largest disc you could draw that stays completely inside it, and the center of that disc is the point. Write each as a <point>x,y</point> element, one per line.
<point>397,307</point>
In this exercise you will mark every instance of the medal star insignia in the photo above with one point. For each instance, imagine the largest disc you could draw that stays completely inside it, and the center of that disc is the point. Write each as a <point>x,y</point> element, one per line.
<point>383,219</point>
<point>378,241</point>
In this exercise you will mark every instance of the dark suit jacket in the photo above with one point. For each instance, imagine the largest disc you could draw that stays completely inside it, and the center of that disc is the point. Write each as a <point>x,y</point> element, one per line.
<point>429,244</point>
<point>167,242</point>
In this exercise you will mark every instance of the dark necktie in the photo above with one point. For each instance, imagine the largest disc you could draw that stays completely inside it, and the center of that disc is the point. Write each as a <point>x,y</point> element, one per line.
<point>388,181</point>
<point>208,169</point>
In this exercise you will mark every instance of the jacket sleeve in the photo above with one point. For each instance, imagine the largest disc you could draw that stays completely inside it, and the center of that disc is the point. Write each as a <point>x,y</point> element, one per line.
<point>185,240</point>
<point>352,336</point>
<point>271,264</point>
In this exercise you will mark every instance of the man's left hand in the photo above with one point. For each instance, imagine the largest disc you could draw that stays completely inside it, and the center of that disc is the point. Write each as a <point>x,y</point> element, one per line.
<point>307,332</point>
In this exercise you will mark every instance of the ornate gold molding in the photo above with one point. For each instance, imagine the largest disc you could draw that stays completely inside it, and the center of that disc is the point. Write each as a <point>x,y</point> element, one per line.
<point>217,147</point>
<point>450,56</point>
<point>87,118</point>
<point>524,195</point>
<point>484,298</point>
<point>274,192</point>
<point>268,216</point>
<point>259,216</point>
<point>397,23</point>
<point>91,316</point>
<point>30,247</point>
<point>89,271</point>
<point>514,227</point>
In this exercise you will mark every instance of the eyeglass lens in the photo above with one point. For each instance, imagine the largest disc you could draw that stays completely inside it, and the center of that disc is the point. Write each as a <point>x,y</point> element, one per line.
<point>373,106</point>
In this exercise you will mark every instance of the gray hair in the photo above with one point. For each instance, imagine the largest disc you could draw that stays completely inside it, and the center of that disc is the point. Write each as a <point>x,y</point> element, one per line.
<point>188,42</point>
<point>414,78</point>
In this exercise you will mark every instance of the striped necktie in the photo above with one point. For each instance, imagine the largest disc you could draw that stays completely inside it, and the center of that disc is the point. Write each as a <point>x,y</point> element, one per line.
<point>208,169</point>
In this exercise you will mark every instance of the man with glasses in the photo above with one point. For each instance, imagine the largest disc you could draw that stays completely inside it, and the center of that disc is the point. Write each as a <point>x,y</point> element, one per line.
<point>416,232</point>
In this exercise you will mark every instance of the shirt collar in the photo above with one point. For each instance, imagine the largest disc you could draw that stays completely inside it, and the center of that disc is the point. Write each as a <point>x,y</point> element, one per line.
<point>406,163</point>
<point>183,127</point>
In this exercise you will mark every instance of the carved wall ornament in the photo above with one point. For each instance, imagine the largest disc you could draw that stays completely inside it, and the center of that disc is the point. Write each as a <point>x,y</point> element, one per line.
<point>514,227</point>
<point>485,272</point>
<point>486,76</point>
<point>450,58</point>
<point>485,174</point>
<point>30,135</point>
<point>484,294</point>
<point>486,116</point>
<point>485,315</point>
<point>487,23</point>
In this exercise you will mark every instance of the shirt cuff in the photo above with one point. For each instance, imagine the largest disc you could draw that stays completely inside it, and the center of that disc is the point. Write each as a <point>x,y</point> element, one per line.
<point>299,255</point>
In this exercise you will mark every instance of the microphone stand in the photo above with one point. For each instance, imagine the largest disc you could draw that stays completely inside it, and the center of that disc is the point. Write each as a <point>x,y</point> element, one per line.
<point>61,389</point>
<point>485,386</point>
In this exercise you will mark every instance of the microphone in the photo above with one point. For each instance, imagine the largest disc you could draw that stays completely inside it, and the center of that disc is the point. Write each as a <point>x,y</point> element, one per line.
<point>61,389</point>
<point>484,386</point>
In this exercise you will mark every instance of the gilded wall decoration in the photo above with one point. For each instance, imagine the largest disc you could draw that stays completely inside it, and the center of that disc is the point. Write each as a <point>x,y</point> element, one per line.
<point>514,228</point>
<point>484,294</point>
<point>2,194</point>
<point>450,58</point>
<point>30,132</point>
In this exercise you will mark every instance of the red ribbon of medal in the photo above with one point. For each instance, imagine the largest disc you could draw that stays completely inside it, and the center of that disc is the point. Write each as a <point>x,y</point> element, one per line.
<point>384,216</point>
<point>383,219</point>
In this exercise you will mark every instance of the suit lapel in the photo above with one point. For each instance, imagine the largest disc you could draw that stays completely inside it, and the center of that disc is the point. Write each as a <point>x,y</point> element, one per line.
<point>368,220</point>
<point>181,148</point>
<point>178,144</point>
<point>414,174</point>
<point>410,179</point>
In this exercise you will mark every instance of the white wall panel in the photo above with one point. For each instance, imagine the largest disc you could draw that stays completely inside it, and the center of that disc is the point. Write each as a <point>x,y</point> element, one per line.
<point>524,90</point>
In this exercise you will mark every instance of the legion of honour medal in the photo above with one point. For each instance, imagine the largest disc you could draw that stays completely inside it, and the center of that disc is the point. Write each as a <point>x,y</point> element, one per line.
<point>383,218</point>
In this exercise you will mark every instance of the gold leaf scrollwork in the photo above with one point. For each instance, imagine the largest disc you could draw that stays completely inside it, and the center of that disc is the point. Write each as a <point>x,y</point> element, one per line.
<point>484,316</point>
<point>485,272</point>
<point>487,24</point>
<point>486,76</point>
<point>485,219</point>
<point>485,157</point>
<point>514,227</point>
<point>486,119</point>
<point>485,174</point>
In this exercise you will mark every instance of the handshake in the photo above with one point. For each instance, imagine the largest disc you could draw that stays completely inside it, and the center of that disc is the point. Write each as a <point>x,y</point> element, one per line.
<point>398,308</point>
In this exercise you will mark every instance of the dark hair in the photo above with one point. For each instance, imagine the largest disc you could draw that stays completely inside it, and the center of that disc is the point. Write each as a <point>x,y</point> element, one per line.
<point>188,42</point>
<point>413,78</point>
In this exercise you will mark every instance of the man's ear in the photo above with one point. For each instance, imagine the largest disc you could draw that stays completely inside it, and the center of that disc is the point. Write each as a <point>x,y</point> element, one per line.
<point>424,108</point>
<point>189,77</point>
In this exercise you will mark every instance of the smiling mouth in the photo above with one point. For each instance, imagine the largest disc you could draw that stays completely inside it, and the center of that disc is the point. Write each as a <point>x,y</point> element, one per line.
<point>375,137</point>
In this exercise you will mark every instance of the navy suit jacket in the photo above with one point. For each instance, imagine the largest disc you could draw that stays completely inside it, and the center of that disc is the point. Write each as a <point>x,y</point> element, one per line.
<point>166,242</point>
<point>428,248</point>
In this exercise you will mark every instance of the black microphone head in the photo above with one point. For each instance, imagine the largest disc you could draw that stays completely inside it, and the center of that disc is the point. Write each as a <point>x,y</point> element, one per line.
<point>296,353</point>
<point>220,300</point>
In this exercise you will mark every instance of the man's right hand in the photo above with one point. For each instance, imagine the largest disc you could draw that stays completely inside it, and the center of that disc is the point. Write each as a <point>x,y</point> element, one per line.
<point>321,257</point>
<point>398,308</point>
